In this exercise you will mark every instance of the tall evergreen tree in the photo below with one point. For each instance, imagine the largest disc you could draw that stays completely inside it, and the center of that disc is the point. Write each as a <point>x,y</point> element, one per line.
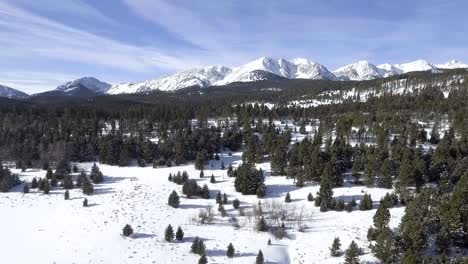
<point>174,199</point>
<point>260,259</point>
<point>230,251</point>
<point>352,254</point>
<point>179,234</point>
<point>169,234</point>
<point>335,250</point>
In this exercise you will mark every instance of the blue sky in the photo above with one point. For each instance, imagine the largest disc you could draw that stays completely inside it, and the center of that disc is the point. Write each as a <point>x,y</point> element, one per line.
<point>44,43</point>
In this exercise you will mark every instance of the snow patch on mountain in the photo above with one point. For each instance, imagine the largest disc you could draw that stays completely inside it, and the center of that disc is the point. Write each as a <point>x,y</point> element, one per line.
<point>201,77</point>
<point>417,65</point>
<point>453,64</point>
<point>90,83</point>
<point>361,70</point>
<point>299,68</point>
<point>11,93</point>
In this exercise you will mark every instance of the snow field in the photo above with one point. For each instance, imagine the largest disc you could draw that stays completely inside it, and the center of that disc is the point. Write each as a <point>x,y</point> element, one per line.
<point>49,229</point>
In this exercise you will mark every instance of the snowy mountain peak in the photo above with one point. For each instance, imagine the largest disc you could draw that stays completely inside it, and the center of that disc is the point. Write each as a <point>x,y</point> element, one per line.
<point>90,83</point>
<point>417,65</point>
<point>267,68</point>
<point>294,69</point>
<point>452,64</point>
<point>361,70</point>
<point>202,77</point>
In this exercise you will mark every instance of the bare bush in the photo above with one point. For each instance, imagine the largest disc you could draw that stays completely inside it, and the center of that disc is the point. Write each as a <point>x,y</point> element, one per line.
<point>205,216</point>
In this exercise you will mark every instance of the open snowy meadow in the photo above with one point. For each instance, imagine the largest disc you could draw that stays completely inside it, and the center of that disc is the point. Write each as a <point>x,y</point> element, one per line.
<point>49,229</point>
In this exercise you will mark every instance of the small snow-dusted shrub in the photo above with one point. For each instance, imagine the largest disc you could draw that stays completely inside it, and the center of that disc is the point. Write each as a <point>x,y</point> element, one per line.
<point>278,232</point>
<point>236,203</point>
<point>127,230</point>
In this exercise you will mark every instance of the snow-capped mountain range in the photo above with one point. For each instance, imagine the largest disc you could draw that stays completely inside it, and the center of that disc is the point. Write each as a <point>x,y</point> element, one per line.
<point>260,69</point>
<point>299,68</point>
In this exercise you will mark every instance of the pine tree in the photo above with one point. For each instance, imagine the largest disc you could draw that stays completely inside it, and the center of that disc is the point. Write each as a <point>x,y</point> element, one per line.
<point>205,192</point>
<point>198,247</point>
<point>262,225</point>
<point>212,179</point>
<point>75,168</point>
<point>194,247</point>
<point>169,234</point>
<point>203,259</point>
<point>85,202</point>
<point>366,203</point>
<point>49,174</point>
<point>200,160</point>
<point>46,188</point>
<point>230,251</point>
<point>260,259</point>
<point>443,241</point>
<point>79,180</point>
<point>219,198</point>
<point>223,167</point>
<point>310,197</point>
<point>225,198</point>
<point>202,174</point>
<point>53,181</point>
<point>352,254</point>
<point>222,210</point>
<point>287,199</point>
<point>325,195</point>
<point>174,200</point>
<point>339,205</point>
<point>335,250</point>
<point>269,242</point>
<point>67,195</point>
<point>236,203</point>
<point>169,178</point>
<point>96,174</point>
<point>26,188</point>
<point>127,230</point>
<point>86,186</point>
<point>383,247</point>
<point>34,183</point>
<point>381,218</point>
<point>386,181</point>
<point>179,234</point>
<point>444,184</point>
<point>67,182</point>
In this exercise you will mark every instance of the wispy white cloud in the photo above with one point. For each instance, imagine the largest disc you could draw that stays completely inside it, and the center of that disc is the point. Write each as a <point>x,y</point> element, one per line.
<point>325,31</point>
<point>74,8</point>
<point>29,38</point>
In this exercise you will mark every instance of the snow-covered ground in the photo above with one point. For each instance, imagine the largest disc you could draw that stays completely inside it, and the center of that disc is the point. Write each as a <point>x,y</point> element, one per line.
<point>48,229</point>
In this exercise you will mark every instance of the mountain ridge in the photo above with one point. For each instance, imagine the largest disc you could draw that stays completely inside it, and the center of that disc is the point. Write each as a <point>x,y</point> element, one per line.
<point>256,70</point>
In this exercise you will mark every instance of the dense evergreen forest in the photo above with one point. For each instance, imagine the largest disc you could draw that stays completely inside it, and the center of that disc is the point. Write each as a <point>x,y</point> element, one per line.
<point>392,147</point>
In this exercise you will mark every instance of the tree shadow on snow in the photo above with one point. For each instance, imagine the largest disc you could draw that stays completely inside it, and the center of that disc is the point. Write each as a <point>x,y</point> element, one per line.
<point>279,190</point>
<point>112,179</point>
<point>244,255</point>
<point>192,238</point>
<point>105,190</point>
<point>348,198</point>
<point>143,235</point>
<point>191,206</point>
<point>216,164</point>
